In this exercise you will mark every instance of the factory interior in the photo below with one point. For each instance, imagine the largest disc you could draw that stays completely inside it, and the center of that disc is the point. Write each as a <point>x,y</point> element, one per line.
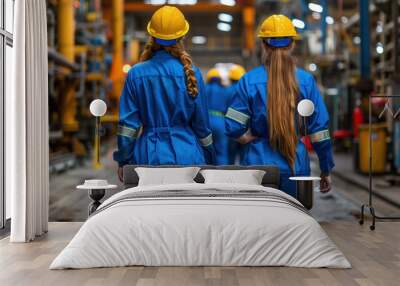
<point>351,49</point>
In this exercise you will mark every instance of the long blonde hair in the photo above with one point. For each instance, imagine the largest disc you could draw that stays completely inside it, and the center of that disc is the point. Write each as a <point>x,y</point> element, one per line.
<point>177,50</point>
<point>283,91</point>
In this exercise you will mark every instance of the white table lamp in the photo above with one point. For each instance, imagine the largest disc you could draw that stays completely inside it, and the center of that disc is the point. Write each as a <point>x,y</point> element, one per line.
<point>305,108</point>
<point>304,185</point>
<point>97,108</point>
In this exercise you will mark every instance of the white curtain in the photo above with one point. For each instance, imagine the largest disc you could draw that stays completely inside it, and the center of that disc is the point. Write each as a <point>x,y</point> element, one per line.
<point>27,151</point>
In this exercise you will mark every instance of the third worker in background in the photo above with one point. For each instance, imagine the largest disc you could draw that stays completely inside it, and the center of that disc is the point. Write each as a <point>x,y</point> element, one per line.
<point>235,74</point>
<point>218,98</point>
<point>263,114</point>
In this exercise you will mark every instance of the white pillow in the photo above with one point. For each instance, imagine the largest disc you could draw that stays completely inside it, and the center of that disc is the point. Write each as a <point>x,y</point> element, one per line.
<point>166,176</point>
<point>248,177</point>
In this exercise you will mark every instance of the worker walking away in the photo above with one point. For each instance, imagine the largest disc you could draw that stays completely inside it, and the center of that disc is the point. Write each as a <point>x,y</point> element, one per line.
<point>235,74</point>
<point>163,116</point>
<point>263,113</point>
<point>218,99</point>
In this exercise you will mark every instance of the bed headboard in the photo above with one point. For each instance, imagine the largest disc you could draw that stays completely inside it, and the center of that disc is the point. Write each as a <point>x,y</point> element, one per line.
<point>270,179</point>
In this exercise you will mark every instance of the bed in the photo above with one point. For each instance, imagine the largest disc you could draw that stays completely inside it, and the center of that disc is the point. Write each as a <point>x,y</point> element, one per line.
<point>197,224</point>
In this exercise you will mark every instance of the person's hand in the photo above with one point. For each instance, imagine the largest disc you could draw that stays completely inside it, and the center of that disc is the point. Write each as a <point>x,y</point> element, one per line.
<point>251,138</point>
<point>120,173</point>
<point>325,184</point>
<point>242,140</point>
<point>246,138</point>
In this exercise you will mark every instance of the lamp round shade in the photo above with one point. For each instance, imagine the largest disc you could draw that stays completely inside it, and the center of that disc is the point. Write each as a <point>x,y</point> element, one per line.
<point>305,107</point>
<point>98,107</point>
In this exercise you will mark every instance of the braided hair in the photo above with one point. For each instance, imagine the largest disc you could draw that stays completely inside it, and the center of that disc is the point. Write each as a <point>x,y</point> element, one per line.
<point>178,51</point>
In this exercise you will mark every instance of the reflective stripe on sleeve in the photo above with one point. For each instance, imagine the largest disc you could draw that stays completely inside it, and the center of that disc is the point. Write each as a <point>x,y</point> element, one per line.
<point>237,116</point>
<point>127,132</point>
<point>320,136</point>
<point>206,141</point>
<point>216,113</point>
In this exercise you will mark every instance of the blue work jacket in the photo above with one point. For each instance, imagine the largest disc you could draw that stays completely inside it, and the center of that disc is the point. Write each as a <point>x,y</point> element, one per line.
<point>248,111</point>
<point>218,99</point>
<point>159,122</point>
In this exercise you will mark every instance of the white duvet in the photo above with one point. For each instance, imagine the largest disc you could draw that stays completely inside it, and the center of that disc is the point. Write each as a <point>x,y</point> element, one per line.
<point>202,231</point>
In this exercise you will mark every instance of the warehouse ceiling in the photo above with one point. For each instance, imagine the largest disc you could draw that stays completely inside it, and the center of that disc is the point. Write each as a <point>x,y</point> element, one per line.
<point>217,26</point>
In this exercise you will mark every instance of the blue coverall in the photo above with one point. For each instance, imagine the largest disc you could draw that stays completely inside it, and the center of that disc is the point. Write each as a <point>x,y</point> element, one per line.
<point>248,111</point>
<point>218,99</point>
<point>159,122</point>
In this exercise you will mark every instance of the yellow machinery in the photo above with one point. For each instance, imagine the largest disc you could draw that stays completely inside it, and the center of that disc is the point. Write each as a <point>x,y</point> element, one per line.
<point>379,148</point>
<point>66,46</point>
<point>117,74</point>
<point>249,24</point>
<point>78,70</point>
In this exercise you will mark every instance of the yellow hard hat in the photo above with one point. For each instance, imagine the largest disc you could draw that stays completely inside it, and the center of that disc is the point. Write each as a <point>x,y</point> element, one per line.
<point>236,72</point>
<point>213,73</point>
<point>168,23</point>
<point>277,26</point>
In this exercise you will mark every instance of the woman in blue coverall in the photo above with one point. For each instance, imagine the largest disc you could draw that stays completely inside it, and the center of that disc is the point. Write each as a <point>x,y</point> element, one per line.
<point>235,74</point>
<point>263,112</point>
<point>218,98</point>
<point>163,116</point>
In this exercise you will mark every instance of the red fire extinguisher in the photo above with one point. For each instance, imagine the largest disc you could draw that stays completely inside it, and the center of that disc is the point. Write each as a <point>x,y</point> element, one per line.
<point>358,119</point>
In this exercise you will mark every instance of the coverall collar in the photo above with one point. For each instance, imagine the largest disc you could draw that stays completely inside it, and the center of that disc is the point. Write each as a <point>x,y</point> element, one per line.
<point>162,54</point>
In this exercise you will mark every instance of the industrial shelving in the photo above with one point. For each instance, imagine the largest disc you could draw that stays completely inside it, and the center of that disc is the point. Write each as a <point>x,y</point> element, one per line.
<point>384,38</point>
<point>78,71</point>
<point>385,69</point>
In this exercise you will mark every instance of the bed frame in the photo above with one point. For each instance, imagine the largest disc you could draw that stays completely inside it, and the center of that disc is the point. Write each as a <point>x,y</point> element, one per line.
<point>270,179</point>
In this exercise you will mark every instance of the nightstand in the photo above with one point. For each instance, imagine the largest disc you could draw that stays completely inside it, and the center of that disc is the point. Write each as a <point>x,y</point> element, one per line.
<point>96,191</point>
<point>305,190</point>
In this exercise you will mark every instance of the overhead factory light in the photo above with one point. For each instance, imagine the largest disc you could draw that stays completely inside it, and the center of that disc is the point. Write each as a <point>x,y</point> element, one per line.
<point>298,23</point>
<point>155,2</point>
<point>341,65</point>
<point>312,67</point>
<point>224,17</point>
<point>225,27</point>
<point>332,91</point>
<point>228,2</point>
<point>316,15</point>
<point>357,40</point>
<point>379,27</point>
<point>315,7</point>
<point>329,20</point>
<point>174,2</point>
<point>126,68</point>
<point>379,48</point>
<point>182,2</point>
<point>199,40</point>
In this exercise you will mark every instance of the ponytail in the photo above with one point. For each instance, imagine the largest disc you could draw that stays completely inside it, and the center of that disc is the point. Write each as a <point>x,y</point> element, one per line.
<point>283,91</point>
<point>178,51</point>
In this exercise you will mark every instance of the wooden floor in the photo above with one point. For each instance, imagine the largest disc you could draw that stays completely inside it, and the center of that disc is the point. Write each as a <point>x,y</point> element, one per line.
<point>375,257</point>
